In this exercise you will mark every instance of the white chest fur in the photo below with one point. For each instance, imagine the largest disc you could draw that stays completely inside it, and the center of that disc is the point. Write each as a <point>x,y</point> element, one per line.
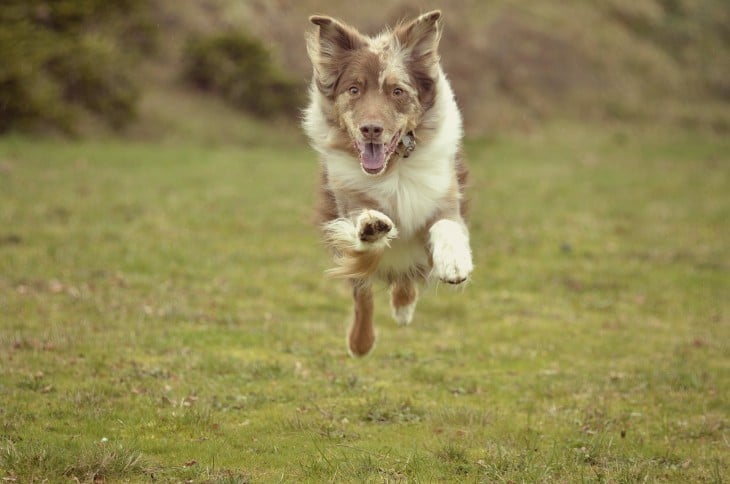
<point>409,193</point>
<point>413,190</point>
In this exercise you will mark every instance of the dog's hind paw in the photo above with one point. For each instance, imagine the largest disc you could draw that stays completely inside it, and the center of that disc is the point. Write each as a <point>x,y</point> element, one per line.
<point>403,315</point>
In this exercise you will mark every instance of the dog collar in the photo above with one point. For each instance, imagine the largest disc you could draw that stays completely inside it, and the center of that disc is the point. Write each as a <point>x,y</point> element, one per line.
<point>407,145</point>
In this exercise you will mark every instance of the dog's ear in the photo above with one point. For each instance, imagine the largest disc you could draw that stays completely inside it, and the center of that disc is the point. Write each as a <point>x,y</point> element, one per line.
<point>329,48</point>
<point>420,37</point>
<point>419,40</point>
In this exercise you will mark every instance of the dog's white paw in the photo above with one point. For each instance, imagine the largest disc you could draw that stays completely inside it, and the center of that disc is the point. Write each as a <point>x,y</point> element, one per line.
<point>403,315</point>
<point>450,251</point>
<point>374,229</point>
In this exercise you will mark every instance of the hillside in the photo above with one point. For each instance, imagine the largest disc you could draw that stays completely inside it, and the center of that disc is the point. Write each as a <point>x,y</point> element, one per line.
<point>513,66</point>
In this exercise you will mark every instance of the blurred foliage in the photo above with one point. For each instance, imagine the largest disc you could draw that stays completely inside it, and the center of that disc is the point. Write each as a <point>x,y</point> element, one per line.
<point>696,34</point>
<point>62,59</point>
<point>240,69</point>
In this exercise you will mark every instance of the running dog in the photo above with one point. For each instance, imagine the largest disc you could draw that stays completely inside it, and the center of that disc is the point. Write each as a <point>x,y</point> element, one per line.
<point>383,118</point>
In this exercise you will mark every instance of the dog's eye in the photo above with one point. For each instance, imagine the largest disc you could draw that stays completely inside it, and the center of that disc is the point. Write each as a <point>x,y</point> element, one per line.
<point>354,90</point>
<point>397,91</point>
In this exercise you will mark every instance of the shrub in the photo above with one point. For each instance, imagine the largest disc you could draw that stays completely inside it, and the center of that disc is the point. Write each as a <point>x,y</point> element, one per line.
<point>241,70</point>
<point>91,76</point>
<point>53,69</point>
<point>27,96</point>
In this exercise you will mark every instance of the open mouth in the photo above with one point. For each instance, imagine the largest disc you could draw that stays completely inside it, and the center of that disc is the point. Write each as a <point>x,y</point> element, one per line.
<point>374,156</point>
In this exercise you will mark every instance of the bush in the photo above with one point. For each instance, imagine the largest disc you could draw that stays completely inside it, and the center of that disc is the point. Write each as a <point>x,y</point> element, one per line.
<point>27,96</point>
<point>53,69</point>
<point>91,76</point>
<point>241,70</point>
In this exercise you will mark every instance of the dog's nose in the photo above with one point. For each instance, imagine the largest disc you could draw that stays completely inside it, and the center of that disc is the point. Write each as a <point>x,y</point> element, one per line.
<point>371,131</point>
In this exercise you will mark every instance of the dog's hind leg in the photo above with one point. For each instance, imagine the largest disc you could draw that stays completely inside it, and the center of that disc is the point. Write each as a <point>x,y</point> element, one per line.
<point>361,337</point>
<point>403,297</point>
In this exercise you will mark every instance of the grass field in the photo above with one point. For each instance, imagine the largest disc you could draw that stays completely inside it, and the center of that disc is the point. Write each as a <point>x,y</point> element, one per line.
<point>164,315</point>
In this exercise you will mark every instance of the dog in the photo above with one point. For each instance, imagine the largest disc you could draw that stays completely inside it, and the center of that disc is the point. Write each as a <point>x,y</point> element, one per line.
<point>384,120</point>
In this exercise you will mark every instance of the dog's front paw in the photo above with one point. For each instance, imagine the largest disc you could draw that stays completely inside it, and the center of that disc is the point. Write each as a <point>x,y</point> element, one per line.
<point>374,228</point>
<point>452,265</point>
<point>450,251</point>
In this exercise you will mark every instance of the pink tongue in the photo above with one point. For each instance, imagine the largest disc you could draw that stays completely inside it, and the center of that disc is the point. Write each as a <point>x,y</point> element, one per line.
<point>372,156</point>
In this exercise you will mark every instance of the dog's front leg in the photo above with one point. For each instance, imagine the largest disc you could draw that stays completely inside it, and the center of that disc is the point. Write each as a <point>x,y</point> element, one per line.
<point>450,251</point>
<point>359,242</point>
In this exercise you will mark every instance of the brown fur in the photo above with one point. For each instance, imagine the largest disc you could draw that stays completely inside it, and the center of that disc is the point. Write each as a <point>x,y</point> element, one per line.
<point>362,334</point>
<point>337,41</point>
<point>462,180</point>
<point>326,209</point>
<point>424,39</point>
<point>403,292</point>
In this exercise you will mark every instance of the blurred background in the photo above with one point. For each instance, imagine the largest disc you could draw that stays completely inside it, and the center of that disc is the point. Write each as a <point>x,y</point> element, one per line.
<point>222,69</point>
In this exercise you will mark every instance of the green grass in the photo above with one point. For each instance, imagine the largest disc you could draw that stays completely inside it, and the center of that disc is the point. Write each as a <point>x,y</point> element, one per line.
<point>163,314</point>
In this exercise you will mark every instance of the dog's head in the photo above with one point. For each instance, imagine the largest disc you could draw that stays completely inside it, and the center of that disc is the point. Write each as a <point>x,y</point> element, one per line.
<point>376,88</point>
